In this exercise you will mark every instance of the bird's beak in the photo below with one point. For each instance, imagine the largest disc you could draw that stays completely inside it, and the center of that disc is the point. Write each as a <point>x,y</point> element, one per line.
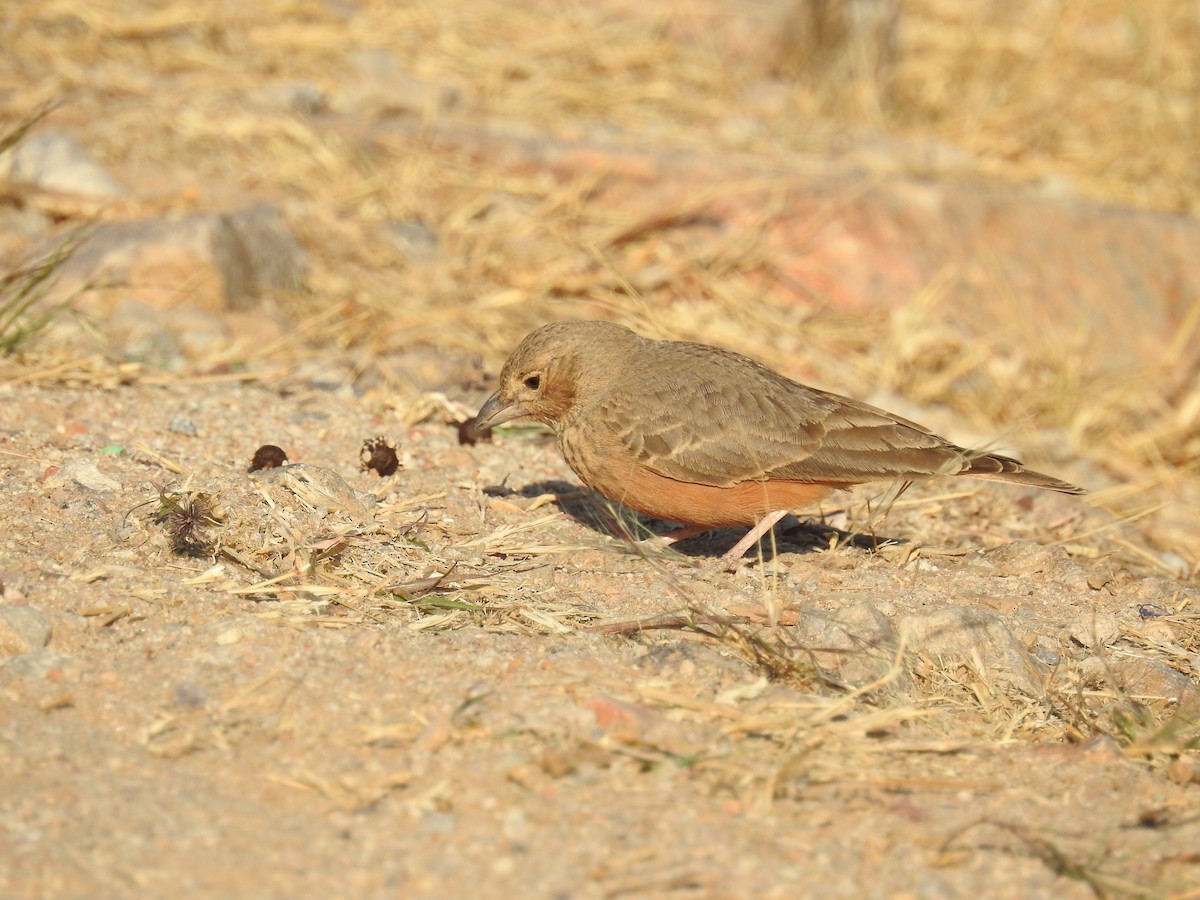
<point>496,412</point>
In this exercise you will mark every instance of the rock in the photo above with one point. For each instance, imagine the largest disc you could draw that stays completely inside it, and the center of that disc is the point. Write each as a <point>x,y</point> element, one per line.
<point>1157,631</point>
<point>86,474</point>
<point>321,488</point>
<point>1150,679</point>
<point>181,423</point>
<point>1184,770</point>
<point>1138,676</point>
<point>10,588</point>
<point>1100,575</point>
<point>1027,558</point>
<point>1095,629</point>
<point>415,240</point>
<point>217,262</point>
<point>1174,563</point>
<point>858,642</point>
<point>46,665</point>
<point>55,161</point>
<point>1092,671</point>
<point>20,231</point>
<point>190,694</point>
<point>23,629</point>
<point>277,261</point>
<point>1047,655</point>
<point>965,636</point>
<point>1080,264</point>
<point>156,260</point>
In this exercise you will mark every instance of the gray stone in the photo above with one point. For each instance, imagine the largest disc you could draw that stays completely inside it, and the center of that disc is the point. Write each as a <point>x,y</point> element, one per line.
<point>86,473</point>
<point>190,694</point>
<point>56,161</point>
<point>182,424</point>
<point>1174,563</point>
<point>1093,671</point>
<point>23,629</point>
<point>277,261</point>
<point>1047,655</point>
<point>154,260</point>
<point>415,240</point>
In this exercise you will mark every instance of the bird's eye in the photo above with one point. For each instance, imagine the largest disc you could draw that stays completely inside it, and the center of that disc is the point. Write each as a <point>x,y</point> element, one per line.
<point>533,382</point>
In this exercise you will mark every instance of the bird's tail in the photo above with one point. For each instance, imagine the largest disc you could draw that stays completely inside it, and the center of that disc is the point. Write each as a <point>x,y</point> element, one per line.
<point>1003,468</point>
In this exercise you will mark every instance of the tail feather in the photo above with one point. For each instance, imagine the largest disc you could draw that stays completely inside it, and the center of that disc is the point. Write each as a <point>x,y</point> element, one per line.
<point>1006,469</point>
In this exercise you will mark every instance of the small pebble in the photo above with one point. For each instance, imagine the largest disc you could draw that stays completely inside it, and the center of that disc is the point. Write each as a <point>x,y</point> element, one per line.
<point>1096,628</point>
<point>1184,771</point>
<point>181,424</point>
<point>1048,656</point>
<point>188,693</point>
<point>86,473</point>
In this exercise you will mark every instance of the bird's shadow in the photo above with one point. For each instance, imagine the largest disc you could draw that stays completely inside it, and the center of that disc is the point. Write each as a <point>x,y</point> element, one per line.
<point>613,520</point>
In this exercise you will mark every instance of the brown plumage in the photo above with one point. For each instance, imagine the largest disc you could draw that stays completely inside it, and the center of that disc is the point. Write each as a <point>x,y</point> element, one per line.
<point>699,435</point>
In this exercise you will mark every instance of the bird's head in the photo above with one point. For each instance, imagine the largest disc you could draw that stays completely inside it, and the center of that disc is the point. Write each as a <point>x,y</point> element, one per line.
<point>544,376</point>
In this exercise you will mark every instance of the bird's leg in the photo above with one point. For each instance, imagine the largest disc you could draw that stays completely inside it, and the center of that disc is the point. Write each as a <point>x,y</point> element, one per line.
<point>765,524</point>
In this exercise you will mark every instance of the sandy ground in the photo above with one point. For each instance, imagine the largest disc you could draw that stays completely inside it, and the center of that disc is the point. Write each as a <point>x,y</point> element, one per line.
<point>463,678</point>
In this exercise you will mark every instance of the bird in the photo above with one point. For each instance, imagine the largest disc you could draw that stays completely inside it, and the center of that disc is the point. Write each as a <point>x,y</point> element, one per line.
<point>709,438</point>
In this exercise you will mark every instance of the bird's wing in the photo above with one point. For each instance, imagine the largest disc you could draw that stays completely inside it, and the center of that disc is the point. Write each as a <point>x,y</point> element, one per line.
<point>740,421</point>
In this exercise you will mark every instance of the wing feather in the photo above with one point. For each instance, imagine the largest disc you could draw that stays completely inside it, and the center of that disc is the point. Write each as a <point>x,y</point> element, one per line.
<point>727,419</point>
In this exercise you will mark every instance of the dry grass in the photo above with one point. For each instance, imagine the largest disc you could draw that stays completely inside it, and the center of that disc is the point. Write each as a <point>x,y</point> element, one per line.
<point>24,309</point>
<point>320,551</point>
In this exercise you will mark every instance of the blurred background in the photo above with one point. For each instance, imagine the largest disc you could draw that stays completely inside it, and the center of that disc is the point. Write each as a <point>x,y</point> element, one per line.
<point>980,215</point>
